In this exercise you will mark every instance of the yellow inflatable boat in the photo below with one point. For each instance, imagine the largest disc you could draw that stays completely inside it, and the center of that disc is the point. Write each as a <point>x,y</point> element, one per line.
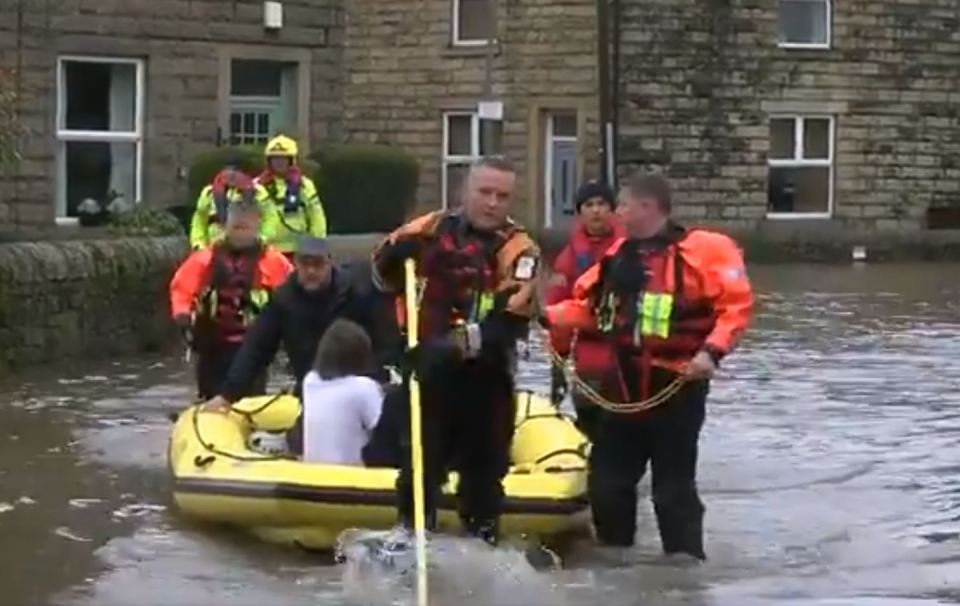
<point>217,478</point>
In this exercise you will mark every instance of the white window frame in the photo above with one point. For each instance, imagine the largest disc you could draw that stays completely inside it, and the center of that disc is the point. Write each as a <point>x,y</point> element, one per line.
<point>455,30</point>
<point>548,166</point>
<point>809,45</point>
<point>65,135</point>
<point>448,160</point>
<point>798,161</point>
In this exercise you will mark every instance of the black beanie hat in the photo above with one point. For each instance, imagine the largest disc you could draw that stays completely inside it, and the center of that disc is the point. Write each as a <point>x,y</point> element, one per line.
<point>594,189</point>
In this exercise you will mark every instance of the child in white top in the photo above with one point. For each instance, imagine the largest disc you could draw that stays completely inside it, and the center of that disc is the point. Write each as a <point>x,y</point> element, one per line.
<point>340,406</point>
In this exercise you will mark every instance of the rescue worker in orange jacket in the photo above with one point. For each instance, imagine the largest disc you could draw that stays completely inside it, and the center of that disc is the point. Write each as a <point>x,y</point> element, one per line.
<point>596,229</point>
<point>224,287</point>
<point>674,302</point>
<point>478,271</point>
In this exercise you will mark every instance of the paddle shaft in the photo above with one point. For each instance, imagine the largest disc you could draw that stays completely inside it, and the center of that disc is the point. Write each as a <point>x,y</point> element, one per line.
<point>413,330</point>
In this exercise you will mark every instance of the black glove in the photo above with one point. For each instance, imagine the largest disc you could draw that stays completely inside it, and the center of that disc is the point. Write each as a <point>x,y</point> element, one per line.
<point>393,255</point>
<point>500,325</point>
<point>622,274</point>
<point>185,323</point>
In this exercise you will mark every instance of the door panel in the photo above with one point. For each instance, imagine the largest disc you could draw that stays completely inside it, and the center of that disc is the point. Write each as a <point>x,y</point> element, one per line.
<point>563,184</point>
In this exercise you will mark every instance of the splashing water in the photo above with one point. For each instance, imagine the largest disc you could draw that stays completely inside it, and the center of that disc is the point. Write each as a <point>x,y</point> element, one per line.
<point>462,571</point>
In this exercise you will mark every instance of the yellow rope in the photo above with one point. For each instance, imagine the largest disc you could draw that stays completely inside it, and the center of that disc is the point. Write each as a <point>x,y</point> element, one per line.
<point>575,382</point>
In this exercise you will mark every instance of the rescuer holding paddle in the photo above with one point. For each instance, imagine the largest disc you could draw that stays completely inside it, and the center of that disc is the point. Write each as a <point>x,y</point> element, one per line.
<point>673,302</point>
<point>477,270</point>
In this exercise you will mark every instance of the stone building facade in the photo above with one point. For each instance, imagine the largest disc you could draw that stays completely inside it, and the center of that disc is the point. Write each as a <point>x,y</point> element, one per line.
<point>121,95</point>
<point>842,116</point>
<point>417,71</point>
<point>772,114</point>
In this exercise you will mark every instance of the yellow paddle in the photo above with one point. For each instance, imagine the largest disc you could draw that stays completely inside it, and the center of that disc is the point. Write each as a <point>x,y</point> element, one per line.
<point>415,435</point>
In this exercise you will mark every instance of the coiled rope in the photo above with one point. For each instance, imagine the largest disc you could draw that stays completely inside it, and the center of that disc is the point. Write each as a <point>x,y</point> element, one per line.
<point>573,379</point>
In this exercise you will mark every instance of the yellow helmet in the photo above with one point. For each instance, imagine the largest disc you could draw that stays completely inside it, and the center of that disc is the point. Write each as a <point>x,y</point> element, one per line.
<point>282,146</point>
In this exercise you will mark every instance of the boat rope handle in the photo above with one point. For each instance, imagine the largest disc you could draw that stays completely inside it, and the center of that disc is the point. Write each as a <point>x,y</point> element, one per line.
<point>558,452</point>
<point>249,414</point>
<point>209,446</point>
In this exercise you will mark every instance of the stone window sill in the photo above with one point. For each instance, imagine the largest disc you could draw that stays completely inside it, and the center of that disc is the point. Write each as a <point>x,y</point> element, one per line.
<point>471,51</point>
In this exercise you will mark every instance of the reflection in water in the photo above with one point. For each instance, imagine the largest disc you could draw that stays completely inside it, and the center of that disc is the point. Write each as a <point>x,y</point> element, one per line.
<point>829,470</point>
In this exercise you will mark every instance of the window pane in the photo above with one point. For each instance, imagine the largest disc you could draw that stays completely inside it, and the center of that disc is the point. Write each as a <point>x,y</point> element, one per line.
<point>100,96</point>
<point>474,20</point>
<point>256,78</point>
<point>459,136</point>
<point>98,171</point>
<point>803,21</point>
<point>565,125</point>
<point>782,138</point>
<point>263,124</point>
<point>491,137</point>
<point>816,139</point>
<point>456,173</point>
<point>799,189</point>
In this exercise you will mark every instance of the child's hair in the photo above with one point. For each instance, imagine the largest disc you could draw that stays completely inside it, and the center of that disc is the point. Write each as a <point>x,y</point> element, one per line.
<point>344,350</point>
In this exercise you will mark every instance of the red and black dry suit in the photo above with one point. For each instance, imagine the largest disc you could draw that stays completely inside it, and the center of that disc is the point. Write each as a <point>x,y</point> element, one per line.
<point>660,302</point>
<point>226,288</point>
<point>468,277</point>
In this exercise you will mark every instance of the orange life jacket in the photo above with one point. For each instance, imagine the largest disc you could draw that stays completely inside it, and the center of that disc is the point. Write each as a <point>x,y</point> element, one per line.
<point>228,303</point>
<point>649,316</point>
<point>458,270</point>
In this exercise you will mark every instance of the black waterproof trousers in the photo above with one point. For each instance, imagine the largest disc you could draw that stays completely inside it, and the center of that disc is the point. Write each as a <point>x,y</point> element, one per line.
<point>468,413</point>
<point>213,363</point>
<point>667,438</point>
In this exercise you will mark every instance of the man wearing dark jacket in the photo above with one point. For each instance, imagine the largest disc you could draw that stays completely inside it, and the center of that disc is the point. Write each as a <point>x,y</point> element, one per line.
<point>300,312</point>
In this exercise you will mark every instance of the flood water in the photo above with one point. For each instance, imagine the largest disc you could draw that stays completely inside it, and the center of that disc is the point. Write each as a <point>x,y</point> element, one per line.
<point>830,468</point>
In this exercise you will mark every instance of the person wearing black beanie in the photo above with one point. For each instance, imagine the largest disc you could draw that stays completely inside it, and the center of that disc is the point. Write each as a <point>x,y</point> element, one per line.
<point>595,231</point>
<point>595,191</point>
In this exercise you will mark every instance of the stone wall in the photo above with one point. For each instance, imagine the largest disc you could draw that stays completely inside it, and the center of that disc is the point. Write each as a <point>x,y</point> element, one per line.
<point>186,45</point>
<point>85,298</point>
<point>403,72</point>
<point>700,80</point>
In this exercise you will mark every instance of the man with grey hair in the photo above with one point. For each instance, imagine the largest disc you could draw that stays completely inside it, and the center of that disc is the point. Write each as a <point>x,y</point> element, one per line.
<point>218,292</point>
<point>478,269</point>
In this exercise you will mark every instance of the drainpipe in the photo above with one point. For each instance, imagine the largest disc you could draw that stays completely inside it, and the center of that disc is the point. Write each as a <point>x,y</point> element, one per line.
<point>615,100</point>
<point>488,82</point>
<point>603,72</point>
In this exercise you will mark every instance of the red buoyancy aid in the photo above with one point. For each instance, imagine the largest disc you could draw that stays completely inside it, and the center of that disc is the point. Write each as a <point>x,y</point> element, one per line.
<point>224,181</point>
<point>459,270</point>
<point>593,354</point>
<point>291,201</point>
<point>650,318</point>
<point>227,302</point>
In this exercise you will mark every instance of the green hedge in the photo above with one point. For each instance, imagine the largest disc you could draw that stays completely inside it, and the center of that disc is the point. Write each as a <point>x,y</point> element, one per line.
<point>364,188</point>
